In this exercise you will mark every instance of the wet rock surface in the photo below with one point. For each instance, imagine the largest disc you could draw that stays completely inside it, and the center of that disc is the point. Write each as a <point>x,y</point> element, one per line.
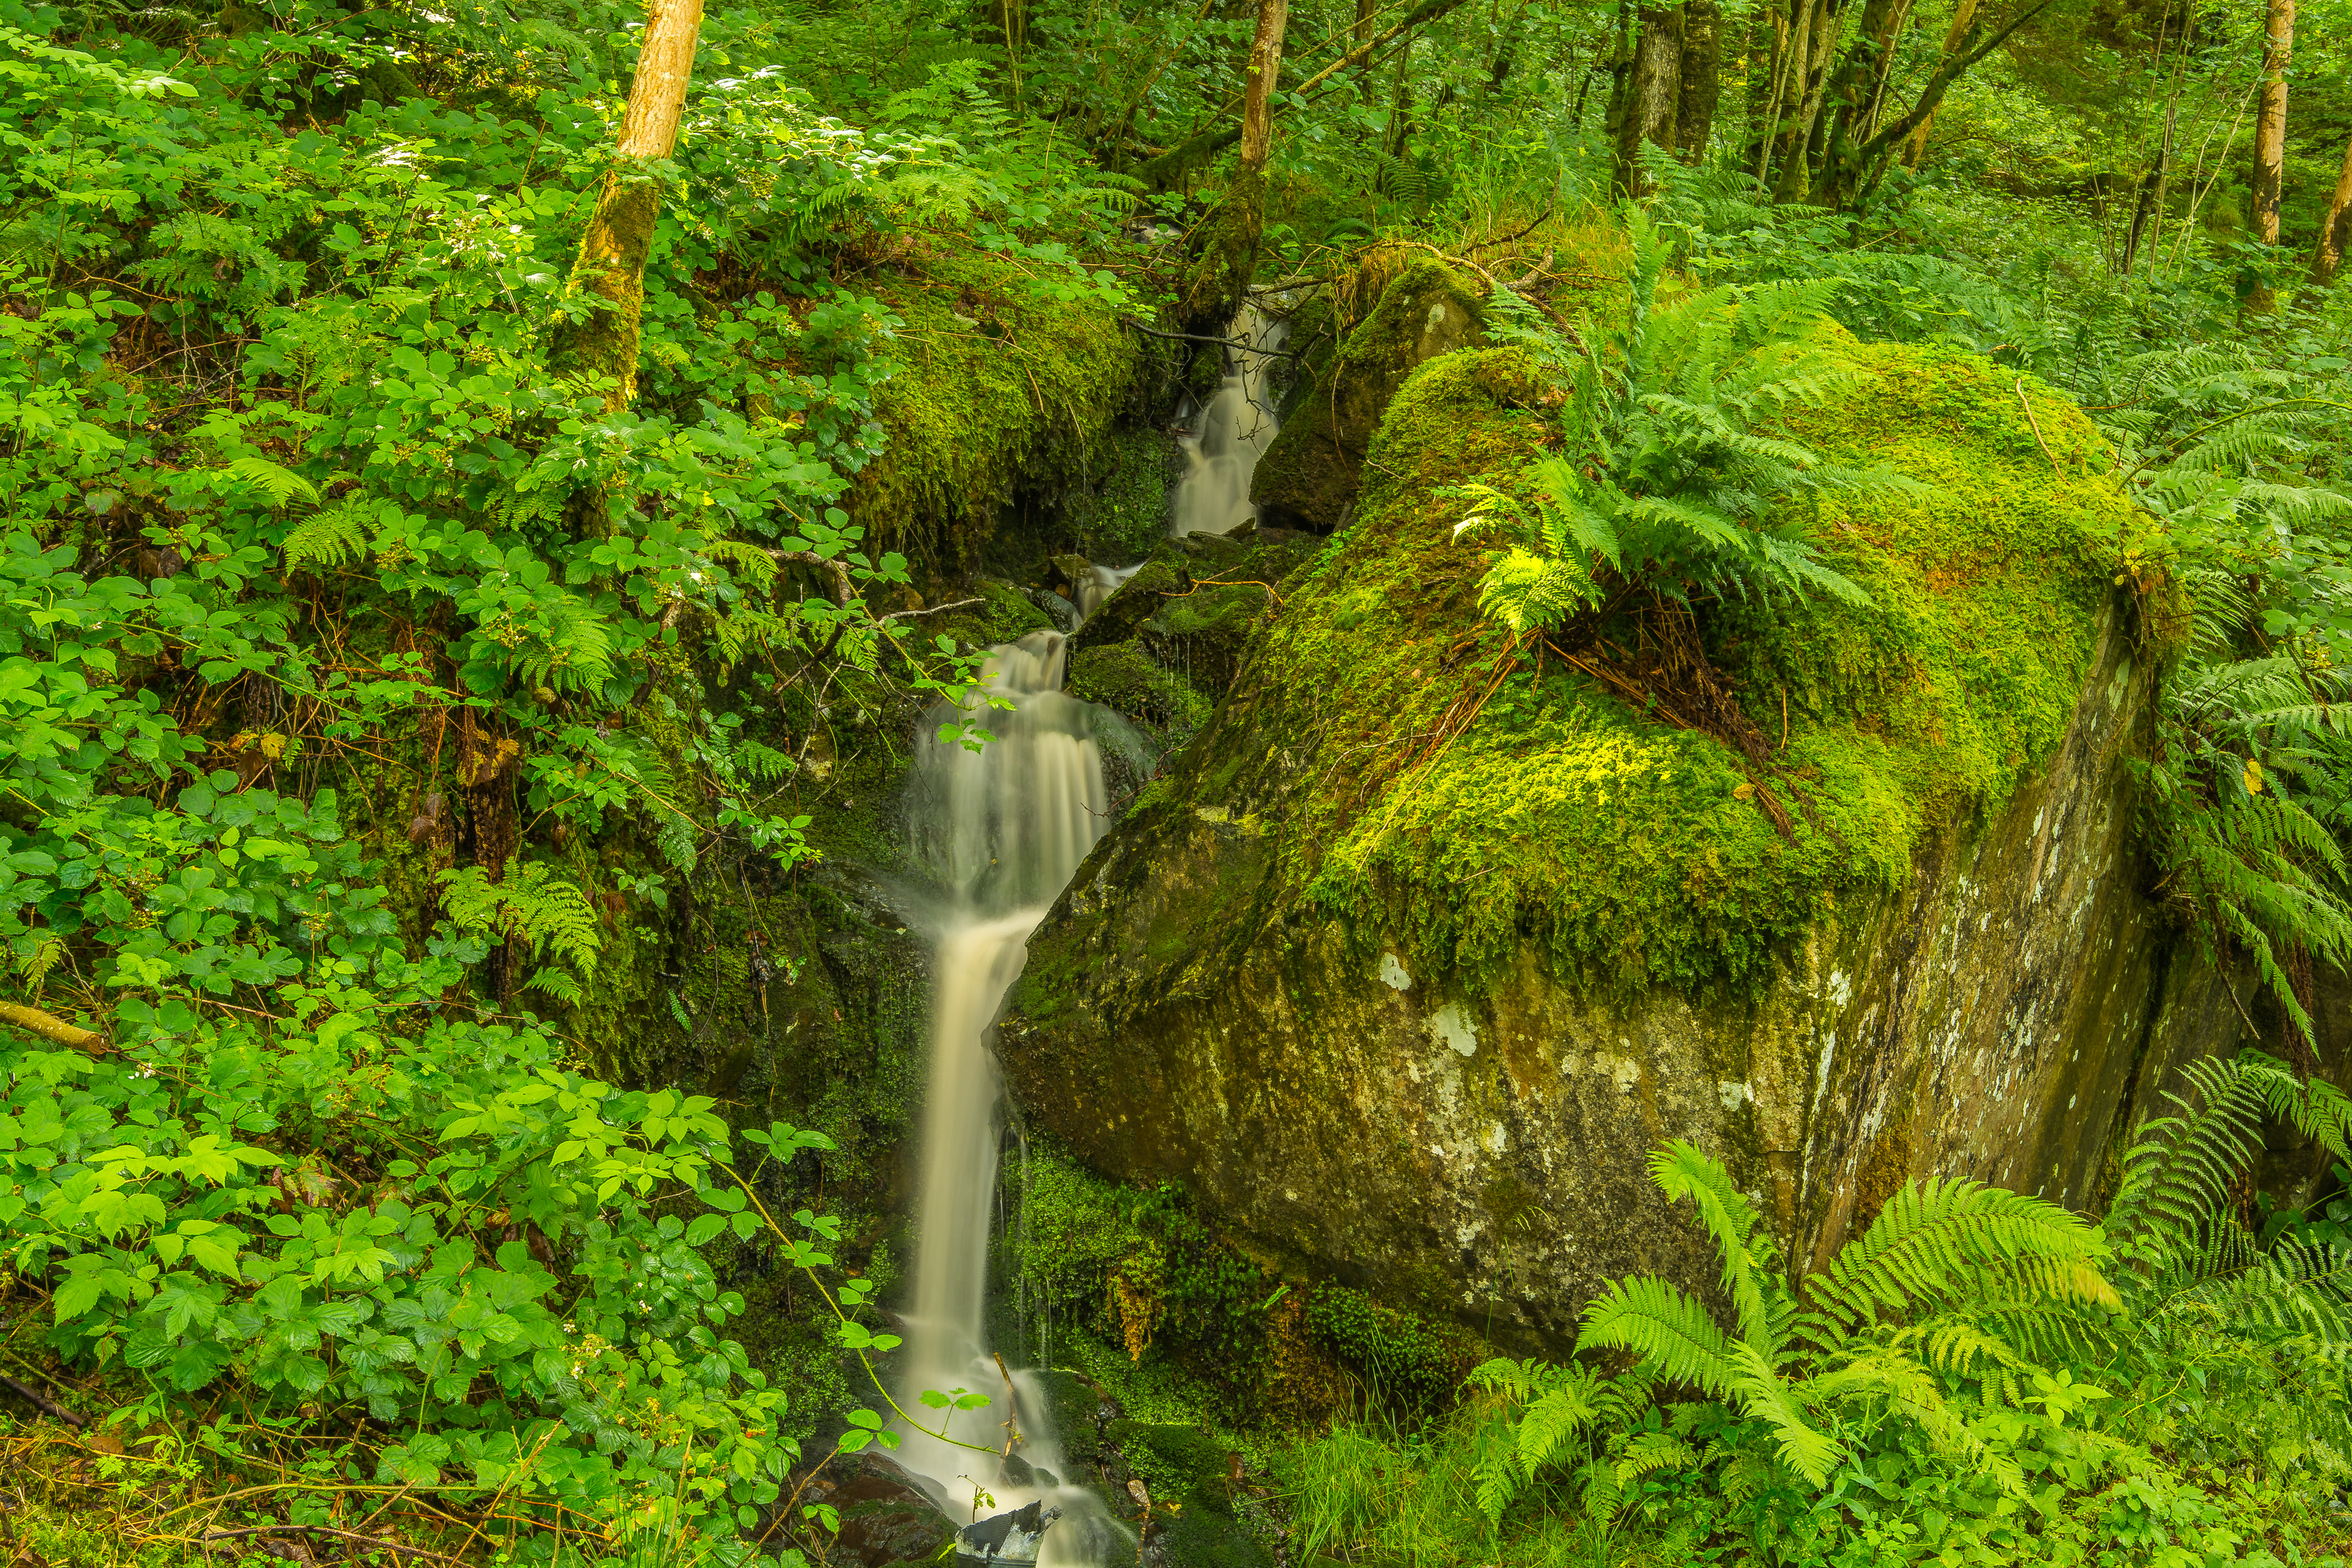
<point>1208,1005</point>
<point>1310,475</point>
<point>1190,1500</point>
<point>888,1519</point>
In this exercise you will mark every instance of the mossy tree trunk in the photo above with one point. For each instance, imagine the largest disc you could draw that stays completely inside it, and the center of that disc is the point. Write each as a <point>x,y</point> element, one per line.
<point>2269,121</point>
<point>1700,83</point>
<point>2335,232</point>
<point>1652,88</point>
<point>2270,137</point>
<point>1257,100</point>
<point>602,343</point>
<point>1221,279</point>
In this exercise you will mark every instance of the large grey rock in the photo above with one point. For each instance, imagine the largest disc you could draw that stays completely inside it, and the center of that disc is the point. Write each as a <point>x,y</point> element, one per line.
<point>1209,1006</point>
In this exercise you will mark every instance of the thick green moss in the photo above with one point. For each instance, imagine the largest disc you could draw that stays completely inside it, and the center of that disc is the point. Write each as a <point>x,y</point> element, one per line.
<point>1628,849</point>
<point>1124,678</point>
<point>1120,518</point>
<point>1003,388</point>
<point>1315,467</point>
<point>1003,615</point>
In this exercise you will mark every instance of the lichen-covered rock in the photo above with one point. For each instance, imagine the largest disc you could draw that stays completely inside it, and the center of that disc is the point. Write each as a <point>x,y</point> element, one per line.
<point>1410,1000</point>
<point>1313,469</point>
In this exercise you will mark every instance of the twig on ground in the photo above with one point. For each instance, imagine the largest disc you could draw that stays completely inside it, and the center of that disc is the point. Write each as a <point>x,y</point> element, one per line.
<point>375,1541</point>
<point>43,1402</point>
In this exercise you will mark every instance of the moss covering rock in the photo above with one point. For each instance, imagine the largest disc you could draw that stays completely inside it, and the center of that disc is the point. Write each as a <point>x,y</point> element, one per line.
<point>1410,958</point>
<point>1003,389</point>
<point>1311,473</point>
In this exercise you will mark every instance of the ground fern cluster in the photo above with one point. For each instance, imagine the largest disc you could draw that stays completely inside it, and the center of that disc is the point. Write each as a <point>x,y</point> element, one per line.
<point>1978,1376</point>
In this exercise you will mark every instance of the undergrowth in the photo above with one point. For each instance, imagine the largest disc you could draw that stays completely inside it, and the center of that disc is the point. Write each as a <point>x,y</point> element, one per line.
<point>1978,1377</point>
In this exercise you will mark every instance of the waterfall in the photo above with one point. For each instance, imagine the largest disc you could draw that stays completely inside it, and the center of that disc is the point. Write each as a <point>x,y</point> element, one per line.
<point>1228,435</point>
<point>1002,829</point>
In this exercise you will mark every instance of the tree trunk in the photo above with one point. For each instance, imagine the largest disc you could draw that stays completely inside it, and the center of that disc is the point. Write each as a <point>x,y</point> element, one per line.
<point>1915,151</point>
<point>1620,67</point>
<point>1265,65</point>
<point>1651,88</point>
<point>1393,134</point>
<point>1847,99</point>
<point>1768,88</point>
<point>1363,45</point>
<point>1700,84</point>
<point>2269,121</point>
<point>2336,234</point>
<point>612,264</point>
<point>2153,189</point>
<point>1809,80</point>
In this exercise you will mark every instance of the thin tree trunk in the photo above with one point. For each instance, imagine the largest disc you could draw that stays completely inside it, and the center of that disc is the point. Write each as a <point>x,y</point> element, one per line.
<point>1849,95</point>
<point>1363,40</point>
<point>1700,87</point>
<point>2334,234</point>
<point>1265,65</point>
<point>612,264</point>
<point>1393,134</point>
<point>1808,88</point>
<point>1915,151</point>
<point>2152,192</point>
<point>1652,89</point>
<point>1767,89</point>
<point>2269,121</point>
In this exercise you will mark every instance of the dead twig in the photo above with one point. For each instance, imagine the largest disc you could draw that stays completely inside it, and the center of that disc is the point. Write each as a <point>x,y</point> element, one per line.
<point>1201,582</point>
<point>40,1401</point>
<point>931,610</point>
<point>2035,424</point>
<point>375,1541</point>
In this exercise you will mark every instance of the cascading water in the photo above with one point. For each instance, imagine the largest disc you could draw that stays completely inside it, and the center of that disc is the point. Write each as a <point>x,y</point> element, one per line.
<point>1004,828</point>
<point>1230,432</point>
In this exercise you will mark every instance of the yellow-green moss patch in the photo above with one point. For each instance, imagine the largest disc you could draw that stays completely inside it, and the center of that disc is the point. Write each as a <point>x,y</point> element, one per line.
<point>1631,851</point>
<point>1001,387</point>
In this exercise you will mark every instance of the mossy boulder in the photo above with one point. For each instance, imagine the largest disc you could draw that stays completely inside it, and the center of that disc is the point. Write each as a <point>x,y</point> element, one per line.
<point>1002,390</point>
<point>1407,1000</point>
<point>1311,473</point>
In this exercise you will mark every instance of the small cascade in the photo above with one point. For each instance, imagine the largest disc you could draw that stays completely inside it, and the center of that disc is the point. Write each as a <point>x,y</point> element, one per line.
<point>1003,829</point>
<point>1225,438</point>
<point>1101,583</point>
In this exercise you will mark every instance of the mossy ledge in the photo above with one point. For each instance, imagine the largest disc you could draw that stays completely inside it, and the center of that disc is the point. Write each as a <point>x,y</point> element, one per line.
<point>1005,390</point>
<point>1408,1001</point>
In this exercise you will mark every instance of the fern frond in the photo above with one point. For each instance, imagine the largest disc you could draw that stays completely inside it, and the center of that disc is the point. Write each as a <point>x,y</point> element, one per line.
<point>1682,1171</point>
<point>1659,1322</point>
<point>1933,1242</point>
<point>329,536</point>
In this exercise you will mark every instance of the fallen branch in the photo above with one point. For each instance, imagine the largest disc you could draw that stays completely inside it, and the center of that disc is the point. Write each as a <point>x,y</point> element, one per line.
<point>934,609</point>
<point>1236,343</point>
<point>377,1543</point>
<point>51,1027</point>
<point>43,1402</point>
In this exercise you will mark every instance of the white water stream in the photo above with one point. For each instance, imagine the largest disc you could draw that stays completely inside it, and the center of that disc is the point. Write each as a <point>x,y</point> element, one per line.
<point>1003,830</point>
<point>1228,435</point>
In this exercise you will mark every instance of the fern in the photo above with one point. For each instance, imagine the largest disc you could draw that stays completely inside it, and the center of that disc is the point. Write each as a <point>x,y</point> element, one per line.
<point>328,537</point>
<point>531,906</point>
<point>1942,1242</point>
<point>1677,472</point>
